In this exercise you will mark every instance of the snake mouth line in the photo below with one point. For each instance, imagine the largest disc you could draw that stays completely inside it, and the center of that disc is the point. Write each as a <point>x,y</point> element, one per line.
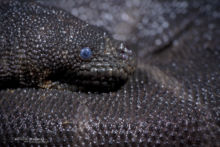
<point>87,83</point>
<point>100,86</point>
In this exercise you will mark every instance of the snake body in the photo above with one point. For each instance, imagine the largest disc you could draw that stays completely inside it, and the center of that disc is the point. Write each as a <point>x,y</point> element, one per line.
<point>167,102</point>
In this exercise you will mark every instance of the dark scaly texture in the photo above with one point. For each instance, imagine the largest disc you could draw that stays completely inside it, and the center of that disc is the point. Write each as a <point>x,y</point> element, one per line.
<point>40,43</point>
<point>173,99</point>
<point>137,114</point>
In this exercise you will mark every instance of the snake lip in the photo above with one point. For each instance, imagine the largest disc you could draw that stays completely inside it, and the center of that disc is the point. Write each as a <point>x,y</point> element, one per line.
<point>104,81</point>
<point>100,86</point>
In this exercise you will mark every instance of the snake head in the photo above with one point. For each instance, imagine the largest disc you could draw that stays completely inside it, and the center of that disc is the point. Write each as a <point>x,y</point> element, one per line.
<point>102,61</point>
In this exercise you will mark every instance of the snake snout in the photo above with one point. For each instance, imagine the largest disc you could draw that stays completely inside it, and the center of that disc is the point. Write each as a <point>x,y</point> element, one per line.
<point>127,58</point>
<point>123,52</point>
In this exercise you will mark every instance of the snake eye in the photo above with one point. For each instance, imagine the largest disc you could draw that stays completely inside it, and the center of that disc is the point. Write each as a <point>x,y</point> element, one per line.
<point>85,53</point>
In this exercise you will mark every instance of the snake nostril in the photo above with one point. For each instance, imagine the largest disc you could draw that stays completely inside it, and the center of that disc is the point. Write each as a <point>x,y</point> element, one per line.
<point>125,53</point>
<point>129,52</point>
<point>124,50</point>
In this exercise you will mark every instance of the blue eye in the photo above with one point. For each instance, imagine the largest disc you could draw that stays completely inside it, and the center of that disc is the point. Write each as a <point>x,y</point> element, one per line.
<point>85,53</point>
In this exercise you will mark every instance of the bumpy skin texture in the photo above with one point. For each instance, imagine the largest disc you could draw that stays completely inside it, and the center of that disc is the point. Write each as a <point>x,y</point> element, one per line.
<point>172,100</point>
<point>39,43</point>
<point>135,115</point>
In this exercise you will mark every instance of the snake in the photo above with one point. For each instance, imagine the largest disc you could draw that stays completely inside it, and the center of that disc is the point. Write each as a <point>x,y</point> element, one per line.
<point>151,107</point>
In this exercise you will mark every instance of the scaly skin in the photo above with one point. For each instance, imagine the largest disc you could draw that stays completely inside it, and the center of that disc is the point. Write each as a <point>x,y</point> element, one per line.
<point>39,43</point>
<point>172,100</point>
